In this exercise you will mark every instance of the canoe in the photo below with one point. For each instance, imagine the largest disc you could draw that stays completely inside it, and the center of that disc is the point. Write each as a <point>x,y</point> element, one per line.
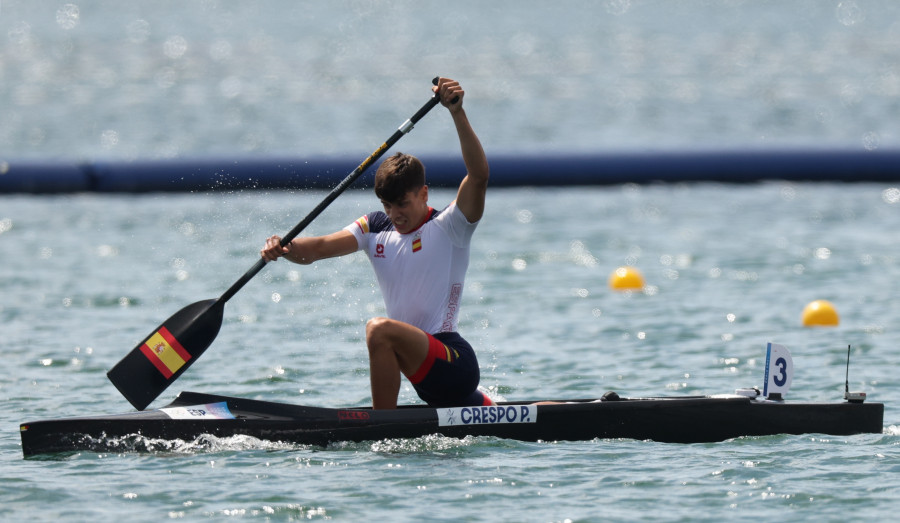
<point>687,419</point>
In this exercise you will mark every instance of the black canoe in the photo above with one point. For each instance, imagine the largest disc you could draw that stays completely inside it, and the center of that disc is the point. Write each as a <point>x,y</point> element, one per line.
<point>692,419</point>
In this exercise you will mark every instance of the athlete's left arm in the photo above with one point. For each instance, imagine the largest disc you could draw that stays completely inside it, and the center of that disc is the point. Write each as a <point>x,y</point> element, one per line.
<point>471,194</point>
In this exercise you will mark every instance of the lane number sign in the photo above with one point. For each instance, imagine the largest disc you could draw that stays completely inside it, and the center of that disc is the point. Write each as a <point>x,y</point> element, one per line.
<point>779,370</point>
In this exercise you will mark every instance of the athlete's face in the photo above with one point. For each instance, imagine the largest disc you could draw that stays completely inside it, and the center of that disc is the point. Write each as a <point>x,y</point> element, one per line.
<point>409,211</point>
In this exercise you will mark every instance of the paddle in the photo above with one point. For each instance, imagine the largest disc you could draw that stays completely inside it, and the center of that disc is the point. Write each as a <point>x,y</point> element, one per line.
<point>166,353</point>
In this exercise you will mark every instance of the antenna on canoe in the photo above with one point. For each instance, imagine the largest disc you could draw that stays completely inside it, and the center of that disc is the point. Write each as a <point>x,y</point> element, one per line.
<point>852,397</point>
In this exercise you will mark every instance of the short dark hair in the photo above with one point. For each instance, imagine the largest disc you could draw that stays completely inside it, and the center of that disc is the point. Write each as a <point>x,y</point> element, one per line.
<point>398,175</point>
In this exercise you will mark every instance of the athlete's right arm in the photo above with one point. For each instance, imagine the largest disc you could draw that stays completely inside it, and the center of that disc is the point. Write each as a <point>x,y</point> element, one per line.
<point>310,249</point>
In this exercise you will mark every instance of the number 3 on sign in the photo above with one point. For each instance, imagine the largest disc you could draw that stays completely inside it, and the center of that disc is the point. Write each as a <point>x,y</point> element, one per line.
<point>779,370</point>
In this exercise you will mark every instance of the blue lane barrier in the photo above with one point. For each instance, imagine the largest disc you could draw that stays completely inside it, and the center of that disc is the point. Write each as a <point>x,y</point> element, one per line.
<point>551,169</point>
<point>42,177</point>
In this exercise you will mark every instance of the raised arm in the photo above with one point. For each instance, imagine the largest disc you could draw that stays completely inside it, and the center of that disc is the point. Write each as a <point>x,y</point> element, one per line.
<point>471,194</point>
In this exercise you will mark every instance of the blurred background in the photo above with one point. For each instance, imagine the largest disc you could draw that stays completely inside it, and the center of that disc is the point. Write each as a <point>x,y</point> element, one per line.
<point>112,80</point>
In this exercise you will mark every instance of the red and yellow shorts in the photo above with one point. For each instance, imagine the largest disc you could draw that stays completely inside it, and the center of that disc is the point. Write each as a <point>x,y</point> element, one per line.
<point>449,375</point>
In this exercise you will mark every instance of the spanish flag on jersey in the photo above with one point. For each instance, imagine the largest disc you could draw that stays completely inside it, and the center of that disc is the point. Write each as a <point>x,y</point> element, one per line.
<point>165,353</point>
<point>363,224</point>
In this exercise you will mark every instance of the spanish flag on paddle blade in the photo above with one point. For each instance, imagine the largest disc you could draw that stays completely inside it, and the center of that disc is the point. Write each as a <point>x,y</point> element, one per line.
<point>157,361</point>
<point>164,352</point>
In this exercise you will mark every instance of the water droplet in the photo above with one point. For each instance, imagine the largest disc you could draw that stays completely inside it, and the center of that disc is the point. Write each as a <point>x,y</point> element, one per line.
<point>109,139</point>
<point>187,229</point>
<point>850,95</point>
<point>891,195</point>
<point>823,253</point>
<point>175,47</point>
<point>849,13</point>
<point>871,141</point>
<point>67,16</point>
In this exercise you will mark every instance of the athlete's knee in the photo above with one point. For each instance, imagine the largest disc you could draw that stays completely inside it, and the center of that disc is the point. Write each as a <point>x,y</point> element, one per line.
<point>377,326</point>
<point>378,333</point>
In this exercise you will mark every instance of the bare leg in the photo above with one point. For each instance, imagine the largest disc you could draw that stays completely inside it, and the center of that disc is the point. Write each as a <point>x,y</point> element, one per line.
<point>394,347</point>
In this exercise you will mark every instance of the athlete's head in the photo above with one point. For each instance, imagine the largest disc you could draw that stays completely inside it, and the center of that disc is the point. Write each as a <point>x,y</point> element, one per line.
<point>400,185</point>
<point>398,175</point>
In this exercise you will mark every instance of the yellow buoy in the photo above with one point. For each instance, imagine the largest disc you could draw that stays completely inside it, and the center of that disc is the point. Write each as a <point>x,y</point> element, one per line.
<point>626,279</point>
<point>820,313</point>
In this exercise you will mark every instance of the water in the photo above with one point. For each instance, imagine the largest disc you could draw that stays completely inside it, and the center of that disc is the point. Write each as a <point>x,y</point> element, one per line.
<point>120,80</point>
<point>85,277</point>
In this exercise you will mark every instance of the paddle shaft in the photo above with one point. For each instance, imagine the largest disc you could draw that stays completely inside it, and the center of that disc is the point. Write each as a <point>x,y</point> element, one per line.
<point>176,344</point>
<point>340,188</point>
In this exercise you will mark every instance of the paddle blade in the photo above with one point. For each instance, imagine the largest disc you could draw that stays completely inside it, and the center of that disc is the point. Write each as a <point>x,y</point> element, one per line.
<point>165,354</point>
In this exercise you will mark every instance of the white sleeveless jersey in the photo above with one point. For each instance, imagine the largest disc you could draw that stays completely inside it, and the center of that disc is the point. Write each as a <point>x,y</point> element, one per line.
<point>420,273</point>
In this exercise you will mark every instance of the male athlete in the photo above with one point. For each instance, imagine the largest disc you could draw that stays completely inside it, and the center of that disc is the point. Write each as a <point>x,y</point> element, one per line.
<point>420,257</point>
